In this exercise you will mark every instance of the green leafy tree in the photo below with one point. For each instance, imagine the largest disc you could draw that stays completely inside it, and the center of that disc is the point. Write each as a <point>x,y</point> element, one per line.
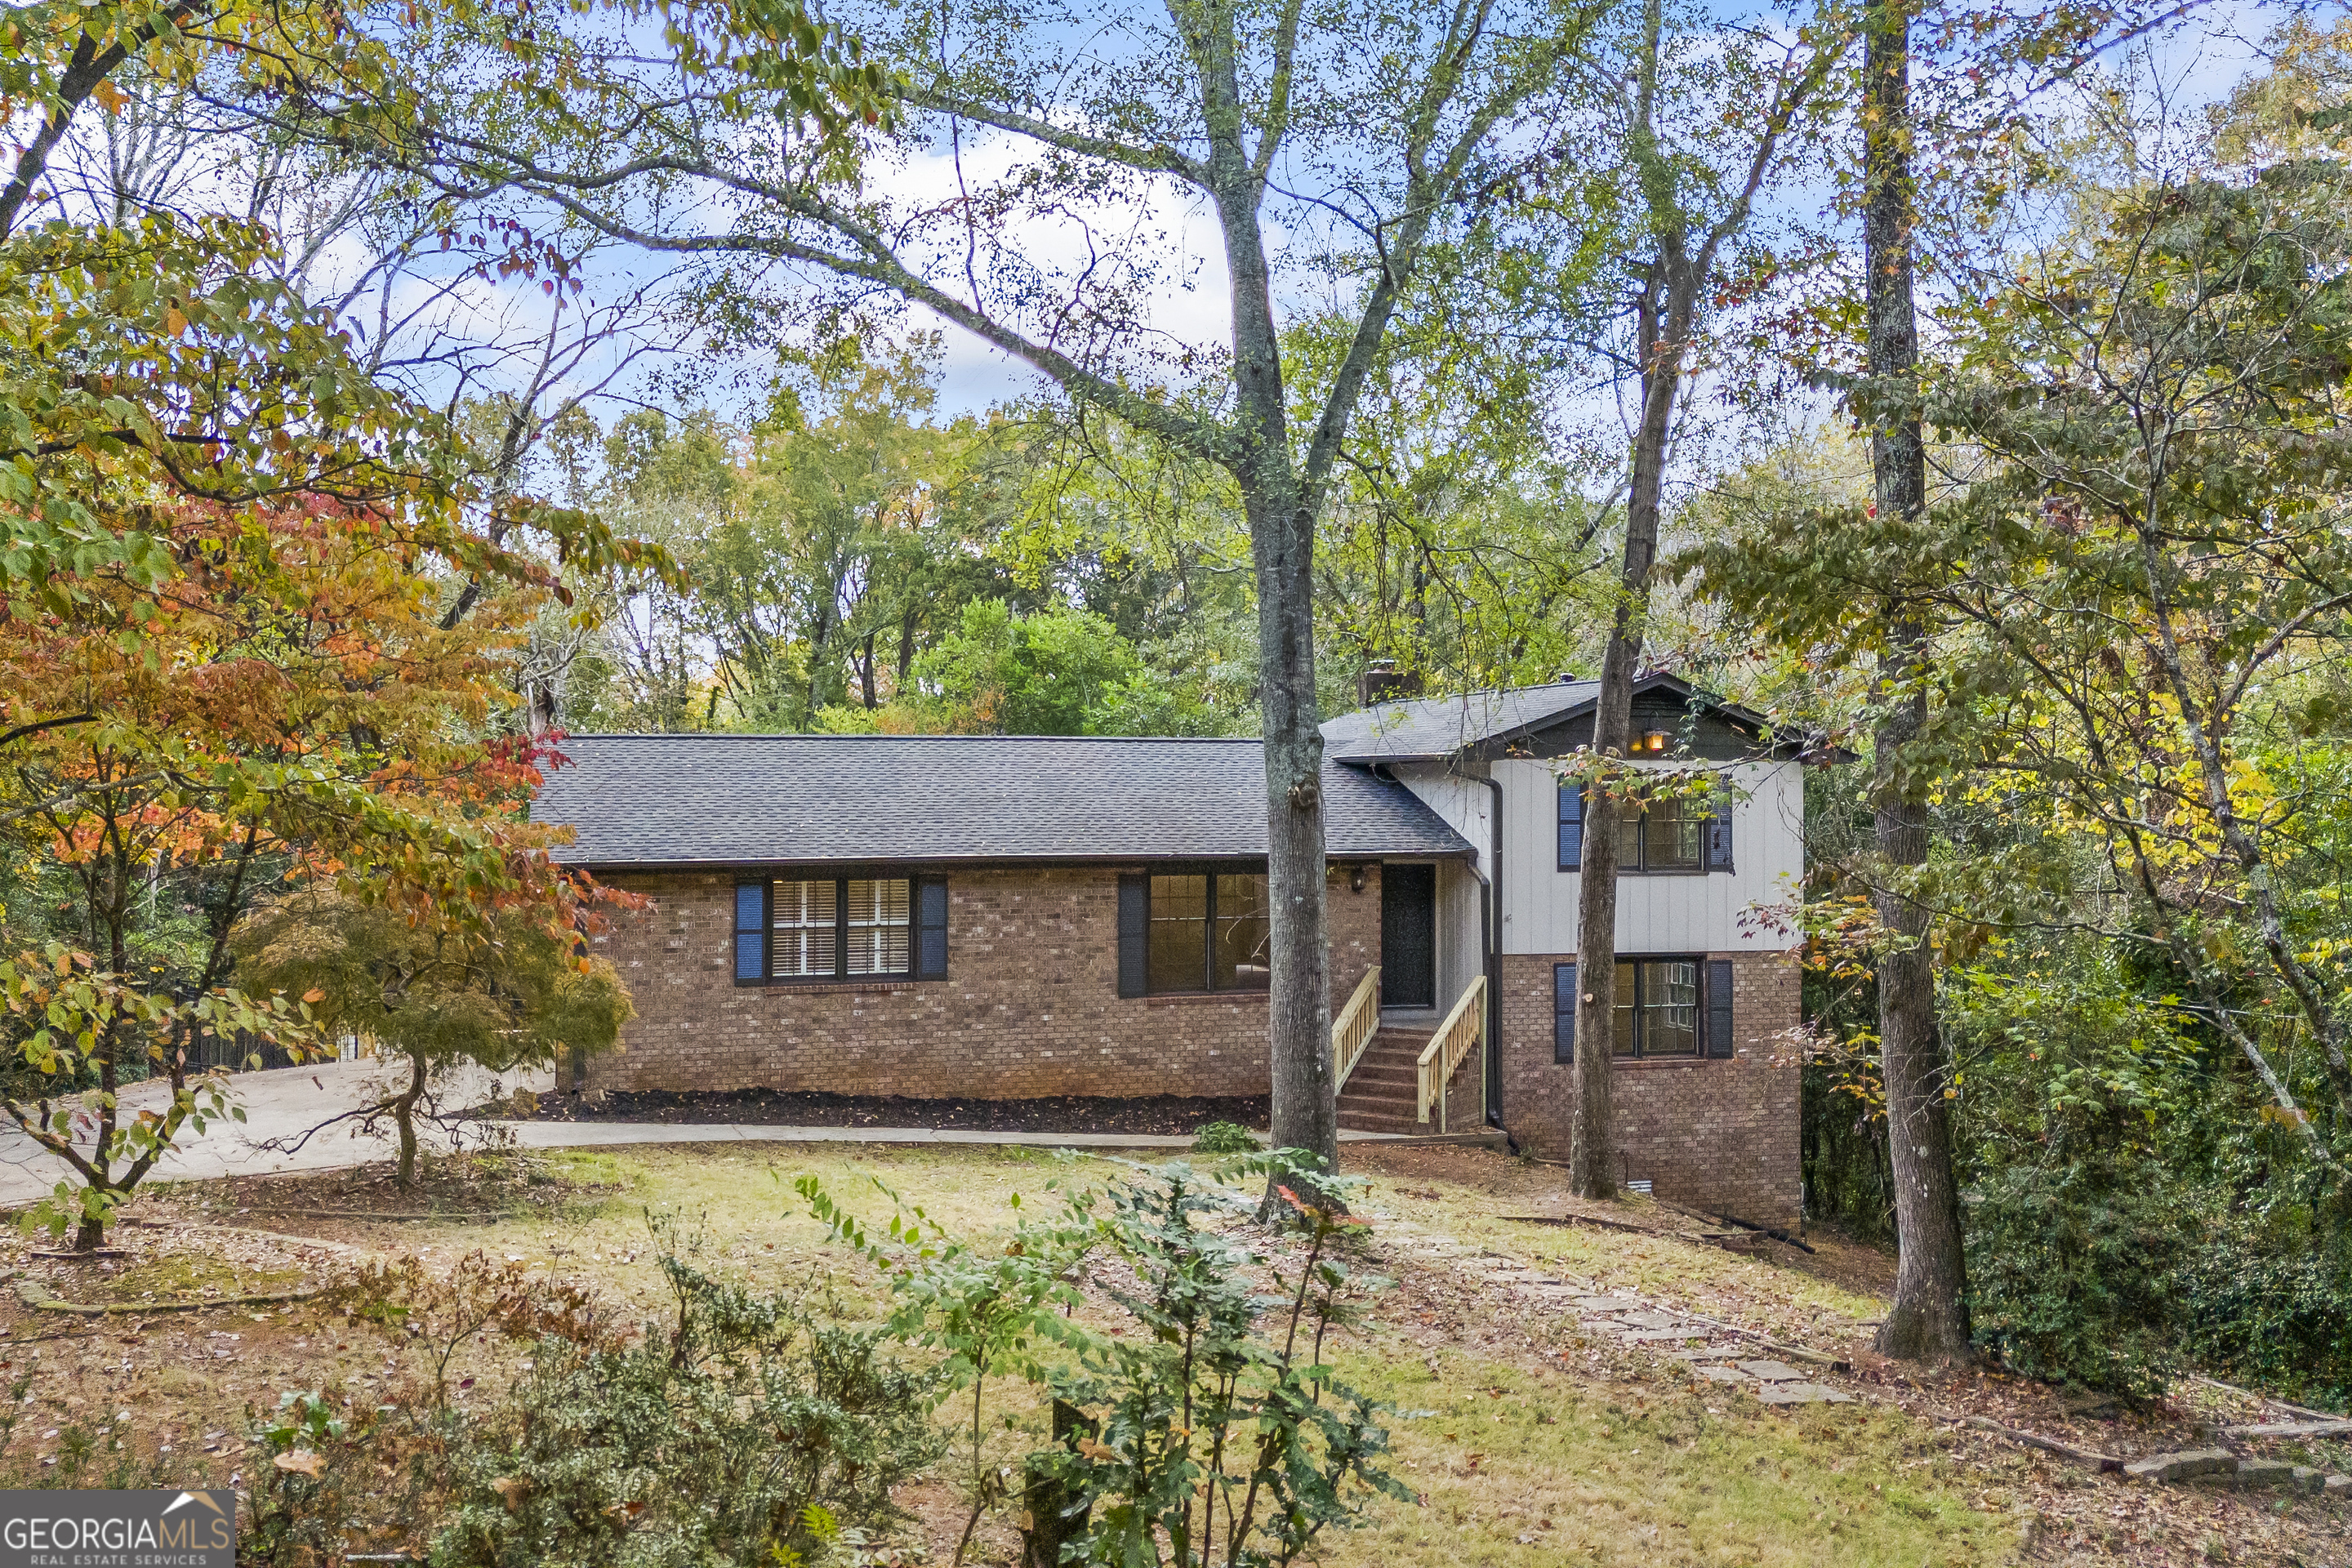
<point>223,538</point>
<point>1000,674</point>
<point>1702,133</point>
<point>508,995</point>
<point>1463,536</point>
<point>2129,600</point>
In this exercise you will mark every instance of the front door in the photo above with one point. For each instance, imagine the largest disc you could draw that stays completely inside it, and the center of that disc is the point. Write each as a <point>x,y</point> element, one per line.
<point>1408,936</point>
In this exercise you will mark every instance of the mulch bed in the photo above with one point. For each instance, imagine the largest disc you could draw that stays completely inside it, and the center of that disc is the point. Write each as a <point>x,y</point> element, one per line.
<point>1159,1113</point>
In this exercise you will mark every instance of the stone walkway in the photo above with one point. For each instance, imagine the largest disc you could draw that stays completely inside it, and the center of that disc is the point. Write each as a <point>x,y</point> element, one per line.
<point>1714,1354</point>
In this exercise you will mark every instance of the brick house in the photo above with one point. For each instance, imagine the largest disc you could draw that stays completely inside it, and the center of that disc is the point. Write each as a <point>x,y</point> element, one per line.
<point>1009,917</point>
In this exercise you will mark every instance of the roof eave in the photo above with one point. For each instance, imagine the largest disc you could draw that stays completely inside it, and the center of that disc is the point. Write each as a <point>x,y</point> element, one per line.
<point>606,863</point>
<point>1373,759</point>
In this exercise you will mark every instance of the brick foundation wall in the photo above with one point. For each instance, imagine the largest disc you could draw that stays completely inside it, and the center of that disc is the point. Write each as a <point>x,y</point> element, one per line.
<point>1030,1007</point>
<point>1718,1134</point>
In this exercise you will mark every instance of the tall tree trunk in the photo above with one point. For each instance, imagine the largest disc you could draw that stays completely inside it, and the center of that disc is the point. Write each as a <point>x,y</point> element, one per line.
<point>1930,1319</point>
<point>1591,1148</point>
<point>1305,1111</point>
<point>105,1191</point>
<point>1281,516</point>
<point>820,649</point>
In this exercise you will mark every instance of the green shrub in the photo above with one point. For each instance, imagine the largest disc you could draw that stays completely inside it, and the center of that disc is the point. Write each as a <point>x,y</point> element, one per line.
<point>1205,1427</point>
<point>2071,1273</point>
<point>371,1479</point>
<point>1220,1436</point>
<point>750,1429</point>
<point>739,1437</point>
<point>1224,1138</point>
<point>2271,1305</point>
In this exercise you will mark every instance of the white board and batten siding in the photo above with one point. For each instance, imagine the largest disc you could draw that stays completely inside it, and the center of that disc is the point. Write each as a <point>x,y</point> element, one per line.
<point>1465,804</point>
<point>1666,913</point>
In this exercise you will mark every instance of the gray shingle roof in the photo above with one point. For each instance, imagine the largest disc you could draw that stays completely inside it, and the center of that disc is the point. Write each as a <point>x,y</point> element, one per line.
<point>1431,727</point>
<point>686,800</point>
<point>1427,729</point>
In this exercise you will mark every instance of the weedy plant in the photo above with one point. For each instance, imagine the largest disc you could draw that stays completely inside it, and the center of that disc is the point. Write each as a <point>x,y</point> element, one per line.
<point>1224,1138</point>
<point>752,1429</point>
<point>988,1308</point>
<point>1216,1437</point>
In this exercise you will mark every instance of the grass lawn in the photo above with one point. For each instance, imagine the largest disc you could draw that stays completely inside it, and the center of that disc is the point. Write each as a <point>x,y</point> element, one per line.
<point>1525,1440</point>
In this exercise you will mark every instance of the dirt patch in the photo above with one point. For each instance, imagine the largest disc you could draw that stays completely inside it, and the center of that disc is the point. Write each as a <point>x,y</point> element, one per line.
<point>453,1187</point>
<point>176,1266</point>
<point>1156,1114</point>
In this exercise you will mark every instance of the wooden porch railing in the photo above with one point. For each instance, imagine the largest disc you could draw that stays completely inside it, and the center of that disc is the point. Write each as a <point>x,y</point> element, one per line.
<point>1463,1031</point>
<point>1353,1029</point>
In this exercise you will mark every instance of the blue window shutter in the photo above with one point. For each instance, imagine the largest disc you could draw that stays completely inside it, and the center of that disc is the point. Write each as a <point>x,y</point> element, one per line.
<point>751,931</point>
<point>1718,1007</point>
<point>1133,930</point>
<point>1718,831</point>
<point>1572,826</point>
<point>1563,1013</point>
<point>931,928</point>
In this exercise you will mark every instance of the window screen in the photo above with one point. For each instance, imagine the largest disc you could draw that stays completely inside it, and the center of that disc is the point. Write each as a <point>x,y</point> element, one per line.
<point>1244,959</point>
<point>1672,832</point>
<point>1669,836</point>
<point>881,927</point>
<point>1180,933</point>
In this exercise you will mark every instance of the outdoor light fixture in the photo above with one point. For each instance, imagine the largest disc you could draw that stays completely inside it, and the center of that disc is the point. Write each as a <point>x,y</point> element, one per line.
<point>1355,879</point>
<point>1655,740</point>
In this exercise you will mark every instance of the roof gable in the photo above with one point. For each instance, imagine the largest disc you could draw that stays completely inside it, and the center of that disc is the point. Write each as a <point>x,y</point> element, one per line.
<point>1538,720</point>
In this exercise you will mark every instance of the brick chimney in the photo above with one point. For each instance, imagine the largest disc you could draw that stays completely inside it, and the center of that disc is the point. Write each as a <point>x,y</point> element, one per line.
<point>1381,681</point>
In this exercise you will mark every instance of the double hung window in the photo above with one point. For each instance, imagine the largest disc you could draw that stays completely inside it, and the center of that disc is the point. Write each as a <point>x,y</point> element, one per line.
<point>1665,1009</point>
<point>840,928</point>
<point>1668,837</point>
<point>1657,1007</point>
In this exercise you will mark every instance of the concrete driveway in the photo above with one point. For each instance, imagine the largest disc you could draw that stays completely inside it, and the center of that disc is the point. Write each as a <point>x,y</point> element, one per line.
<point>280,1102</point>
